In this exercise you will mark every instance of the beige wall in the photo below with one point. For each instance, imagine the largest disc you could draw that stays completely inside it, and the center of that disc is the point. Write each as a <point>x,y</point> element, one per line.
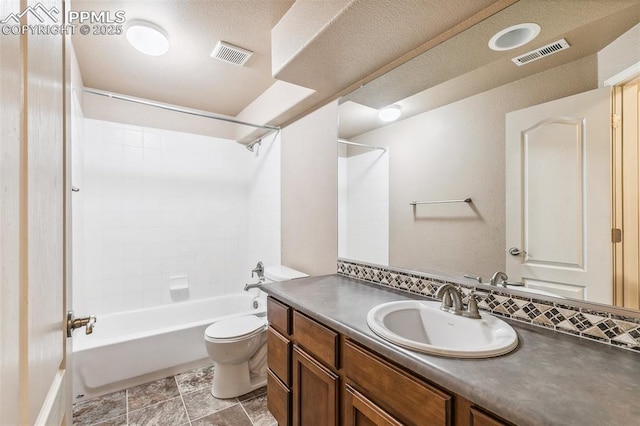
<point>454,152</point>
<point>310,192</point>
<point>619,55</point>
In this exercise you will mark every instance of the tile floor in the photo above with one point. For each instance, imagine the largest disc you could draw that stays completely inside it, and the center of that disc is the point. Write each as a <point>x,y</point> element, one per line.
<point>184,399</point>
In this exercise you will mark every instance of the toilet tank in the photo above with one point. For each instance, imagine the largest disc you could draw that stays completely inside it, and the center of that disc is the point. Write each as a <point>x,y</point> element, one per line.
<point>278,273</point>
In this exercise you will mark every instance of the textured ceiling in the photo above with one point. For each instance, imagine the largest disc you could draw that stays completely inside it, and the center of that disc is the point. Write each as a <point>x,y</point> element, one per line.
<point>331,44</point>
<point>464,66</point>
<point>186,75</point>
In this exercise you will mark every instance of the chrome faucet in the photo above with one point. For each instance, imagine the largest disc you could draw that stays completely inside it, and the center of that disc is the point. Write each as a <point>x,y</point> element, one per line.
<point>248,287</point>
<point>259,269</point>
<point>499,275</point>
<point>452,301</point>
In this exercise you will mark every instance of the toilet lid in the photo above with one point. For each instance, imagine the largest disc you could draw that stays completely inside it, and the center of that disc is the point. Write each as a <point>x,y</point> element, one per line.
<point>233,328</point>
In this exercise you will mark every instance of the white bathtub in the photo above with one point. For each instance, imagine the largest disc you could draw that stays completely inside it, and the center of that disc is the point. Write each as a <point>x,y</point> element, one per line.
<point>130,348</point>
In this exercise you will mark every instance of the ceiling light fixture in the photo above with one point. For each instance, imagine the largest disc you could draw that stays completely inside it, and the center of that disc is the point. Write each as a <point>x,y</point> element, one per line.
<point>148,38</point>
<point>390,113</point>
<point>514,36</point>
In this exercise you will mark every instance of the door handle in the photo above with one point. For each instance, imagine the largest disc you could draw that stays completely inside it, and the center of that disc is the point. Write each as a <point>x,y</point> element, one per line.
<point>73,323</point>
<point>515,251</point>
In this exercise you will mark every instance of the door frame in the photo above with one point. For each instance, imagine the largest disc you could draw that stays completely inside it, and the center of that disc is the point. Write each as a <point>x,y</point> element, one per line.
<point>624,136</point>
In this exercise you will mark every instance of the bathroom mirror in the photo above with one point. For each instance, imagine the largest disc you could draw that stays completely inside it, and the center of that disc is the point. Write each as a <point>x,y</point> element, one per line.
<point>429,192</point>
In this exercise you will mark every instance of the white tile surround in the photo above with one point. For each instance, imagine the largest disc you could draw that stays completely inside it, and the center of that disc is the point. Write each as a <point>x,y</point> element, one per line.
<point>156,203</point>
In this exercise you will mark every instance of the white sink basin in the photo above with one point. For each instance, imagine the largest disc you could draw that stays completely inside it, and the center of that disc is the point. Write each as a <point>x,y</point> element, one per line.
<point>422,326</point>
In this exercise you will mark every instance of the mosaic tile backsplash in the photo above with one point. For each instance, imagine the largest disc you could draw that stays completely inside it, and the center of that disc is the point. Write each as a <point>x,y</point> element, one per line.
<point>605,327</point>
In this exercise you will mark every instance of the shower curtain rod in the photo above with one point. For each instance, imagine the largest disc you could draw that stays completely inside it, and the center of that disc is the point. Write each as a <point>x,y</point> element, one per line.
<point>174,108</point>
<point>346,142</point>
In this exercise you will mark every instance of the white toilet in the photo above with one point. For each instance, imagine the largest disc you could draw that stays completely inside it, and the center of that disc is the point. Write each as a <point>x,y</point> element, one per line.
<point>238,346</point>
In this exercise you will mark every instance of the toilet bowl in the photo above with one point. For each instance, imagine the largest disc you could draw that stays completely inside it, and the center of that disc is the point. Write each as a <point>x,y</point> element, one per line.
<point>238,347</point>
<point>234,345</point>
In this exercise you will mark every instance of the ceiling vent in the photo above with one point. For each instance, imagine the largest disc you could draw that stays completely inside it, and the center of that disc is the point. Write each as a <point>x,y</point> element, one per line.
<point>542,52</point>
<point>232,54</point>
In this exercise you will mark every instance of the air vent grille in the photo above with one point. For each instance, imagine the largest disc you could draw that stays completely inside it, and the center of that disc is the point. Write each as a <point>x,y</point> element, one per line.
<point>232,54</point>
<point>547,50</point>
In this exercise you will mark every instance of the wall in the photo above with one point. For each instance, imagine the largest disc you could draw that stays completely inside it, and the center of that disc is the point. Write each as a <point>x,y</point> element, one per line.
<point>363,206</point>
<point>619,55</point>
<point>457,151</point>
<point>343,200</point>
<point>309,192</point>
<point>158,204</point>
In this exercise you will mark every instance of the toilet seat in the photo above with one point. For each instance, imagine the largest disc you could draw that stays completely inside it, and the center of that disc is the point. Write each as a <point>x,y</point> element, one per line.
<point>234,329</point>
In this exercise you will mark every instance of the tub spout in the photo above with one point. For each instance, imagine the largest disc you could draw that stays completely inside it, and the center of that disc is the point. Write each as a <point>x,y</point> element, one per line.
<point>248,287</point>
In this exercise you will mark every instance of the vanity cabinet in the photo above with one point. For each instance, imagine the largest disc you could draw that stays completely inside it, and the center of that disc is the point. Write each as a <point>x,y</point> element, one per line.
<point>279,361</point>
<point>318,377</point>
<point>479,418</point>
<point>400,395</point>
<point>315,391</point>
<point>303,384</point>
<point>360,411</point>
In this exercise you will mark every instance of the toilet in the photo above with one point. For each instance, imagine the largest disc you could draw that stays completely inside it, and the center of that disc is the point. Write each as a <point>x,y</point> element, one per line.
<point>238,346</point>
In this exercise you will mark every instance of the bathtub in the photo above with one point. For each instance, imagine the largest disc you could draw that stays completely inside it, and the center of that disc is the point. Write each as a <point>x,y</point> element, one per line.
<point>134,347</point>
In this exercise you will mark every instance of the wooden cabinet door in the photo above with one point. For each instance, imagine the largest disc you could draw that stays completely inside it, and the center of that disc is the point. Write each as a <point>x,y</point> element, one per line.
<point>315,392</point>
<point>278,399</point>
<point>360,411</point>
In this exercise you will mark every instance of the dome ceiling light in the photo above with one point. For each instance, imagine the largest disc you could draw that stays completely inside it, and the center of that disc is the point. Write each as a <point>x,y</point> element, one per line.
<point>390,113</point>
<point>148,38</point>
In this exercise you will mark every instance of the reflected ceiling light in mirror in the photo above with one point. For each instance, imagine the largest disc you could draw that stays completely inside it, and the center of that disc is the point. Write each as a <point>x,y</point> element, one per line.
<point>147,38</point>
<point>390,113</point>
<point>514,36</point>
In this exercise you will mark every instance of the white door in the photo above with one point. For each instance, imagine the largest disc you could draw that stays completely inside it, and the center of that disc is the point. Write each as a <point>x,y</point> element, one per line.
<point>33,348</point>
<point>558,196</point>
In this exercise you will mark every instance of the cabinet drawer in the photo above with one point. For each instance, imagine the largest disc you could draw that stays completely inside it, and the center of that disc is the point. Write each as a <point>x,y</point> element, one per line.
<point>317,339</point>
<point>279,316</point>
<point>278,399</point>
<point>279,355</point>
<point>480,418</point>
<point>405,397</point>
<point>360,411</point>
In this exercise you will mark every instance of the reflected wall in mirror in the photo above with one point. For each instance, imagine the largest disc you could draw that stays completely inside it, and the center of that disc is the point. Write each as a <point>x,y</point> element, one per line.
<point>451,143</point>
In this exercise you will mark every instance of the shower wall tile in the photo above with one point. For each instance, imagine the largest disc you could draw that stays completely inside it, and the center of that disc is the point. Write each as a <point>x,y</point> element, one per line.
<point>156,203</point>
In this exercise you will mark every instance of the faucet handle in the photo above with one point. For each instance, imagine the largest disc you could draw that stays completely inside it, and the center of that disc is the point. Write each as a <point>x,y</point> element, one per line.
<point>472,307</point>
<point>259,269</point>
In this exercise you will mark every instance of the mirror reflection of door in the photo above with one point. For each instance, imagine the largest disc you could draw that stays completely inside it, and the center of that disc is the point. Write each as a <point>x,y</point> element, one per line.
<point>626,188</point>
<point>572,196</point>
<point>558,196</point>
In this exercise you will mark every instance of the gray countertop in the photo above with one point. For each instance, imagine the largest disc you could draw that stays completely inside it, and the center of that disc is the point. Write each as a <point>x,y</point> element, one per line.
<point>550,379</point>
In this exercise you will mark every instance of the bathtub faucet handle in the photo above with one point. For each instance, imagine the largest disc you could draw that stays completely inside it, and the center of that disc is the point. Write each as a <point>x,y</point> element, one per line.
<point>259,269</point>
<point>73,323</point>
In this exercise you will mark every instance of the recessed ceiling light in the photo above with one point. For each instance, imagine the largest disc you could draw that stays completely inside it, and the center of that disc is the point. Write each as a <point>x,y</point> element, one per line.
<point>390,113</point>
<point>148,38</point>
<point>514,36</point>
